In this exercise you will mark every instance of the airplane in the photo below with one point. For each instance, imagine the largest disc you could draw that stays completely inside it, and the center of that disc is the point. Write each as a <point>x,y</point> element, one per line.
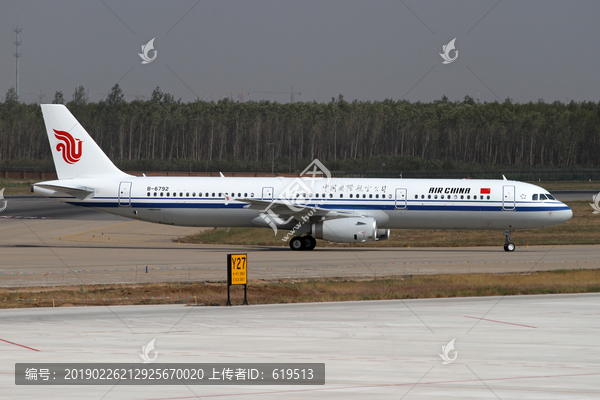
<point>312,206</point>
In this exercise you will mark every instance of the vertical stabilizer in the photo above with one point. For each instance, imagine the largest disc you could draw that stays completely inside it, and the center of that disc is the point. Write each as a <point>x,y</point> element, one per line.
<point>75,153</point>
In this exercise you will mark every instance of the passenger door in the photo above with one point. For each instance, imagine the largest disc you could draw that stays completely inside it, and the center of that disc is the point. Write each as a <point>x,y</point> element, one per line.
<point>508,198</point>
<point>125,194</point>
<point>401,199</point>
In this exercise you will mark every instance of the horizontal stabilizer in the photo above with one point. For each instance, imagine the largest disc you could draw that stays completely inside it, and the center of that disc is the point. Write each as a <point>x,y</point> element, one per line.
<point>82,193</point>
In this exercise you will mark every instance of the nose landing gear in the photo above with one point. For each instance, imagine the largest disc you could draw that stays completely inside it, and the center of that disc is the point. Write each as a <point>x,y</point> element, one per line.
<point>303,243</point>
<point>508,246</point>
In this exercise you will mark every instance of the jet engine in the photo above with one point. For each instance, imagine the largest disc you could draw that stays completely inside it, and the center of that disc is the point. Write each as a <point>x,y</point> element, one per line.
<point>382,234</point>
<point>348,230</point>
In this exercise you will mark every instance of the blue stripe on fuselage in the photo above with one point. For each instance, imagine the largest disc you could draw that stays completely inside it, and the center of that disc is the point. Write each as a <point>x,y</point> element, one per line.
<point>190,204</point>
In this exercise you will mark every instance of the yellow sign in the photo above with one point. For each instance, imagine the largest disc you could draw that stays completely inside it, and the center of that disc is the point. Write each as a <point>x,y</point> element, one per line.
<point>238,269</point>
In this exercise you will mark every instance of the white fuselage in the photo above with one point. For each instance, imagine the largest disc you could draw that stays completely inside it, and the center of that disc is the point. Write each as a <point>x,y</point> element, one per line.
<point>394,203</point>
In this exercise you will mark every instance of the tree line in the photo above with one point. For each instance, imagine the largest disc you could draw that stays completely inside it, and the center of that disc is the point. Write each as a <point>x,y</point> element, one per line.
<point>380,135</point>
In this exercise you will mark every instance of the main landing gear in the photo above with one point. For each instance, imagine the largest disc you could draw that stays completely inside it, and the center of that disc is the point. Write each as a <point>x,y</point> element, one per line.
<point>508,246</point>
<point>303,243</point>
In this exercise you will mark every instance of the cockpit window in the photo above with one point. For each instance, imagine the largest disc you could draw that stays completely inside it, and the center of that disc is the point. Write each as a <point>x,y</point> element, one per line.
<point>534,197</point>
<point>550,197</point>
<point>543,197</point>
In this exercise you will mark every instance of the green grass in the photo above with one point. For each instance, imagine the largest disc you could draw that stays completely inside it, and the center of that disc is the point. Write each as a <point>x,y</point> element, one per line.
<point>568,185</point>
<point>17,186</point>
<point>319,290</point>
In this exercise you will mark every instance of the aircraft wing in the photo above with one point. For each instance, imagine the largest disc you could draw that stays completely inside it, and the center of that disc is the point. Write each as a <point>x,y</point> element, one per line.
<point>297,211</point>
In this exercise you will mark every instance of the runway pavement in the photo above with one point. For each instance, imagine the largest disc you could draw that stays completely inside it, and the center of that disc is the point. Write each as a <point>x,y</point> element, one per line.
<point>100,248</point>
<point>519,347</point>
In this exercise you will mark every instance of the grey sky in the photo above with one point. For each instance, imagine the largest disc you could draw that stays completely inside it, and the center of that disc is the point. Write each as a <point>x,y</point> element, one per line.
<point>365,50</point>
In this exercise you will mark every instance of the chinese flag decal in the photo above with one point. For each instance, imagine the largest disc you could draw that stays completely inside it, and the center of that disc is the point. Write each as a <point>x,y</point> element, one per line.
<point>485,191</point>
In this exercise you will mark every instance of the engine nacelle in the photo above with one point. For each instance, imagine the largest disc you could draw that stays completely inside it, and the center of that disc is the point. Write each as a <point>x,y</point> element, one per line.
<point>382,234</point>
<point>346,230</point>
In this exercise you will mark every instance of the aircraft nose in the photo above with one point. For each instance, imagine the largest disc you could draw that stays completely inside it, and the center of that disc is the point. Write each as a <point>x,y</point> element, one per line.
<point>565,215</point>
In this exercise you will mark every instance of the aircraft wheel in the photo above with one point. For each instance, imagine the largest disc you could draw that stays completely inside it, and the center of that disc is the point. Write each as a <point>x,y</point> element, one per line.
<point>309,242</point>
<point>509,247</point>
<point>297,243</point>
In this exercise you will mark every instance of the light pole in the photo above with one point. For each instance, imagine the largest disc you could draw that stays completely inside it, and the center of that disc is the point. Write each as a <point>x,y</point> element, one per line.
<point>272,159</point>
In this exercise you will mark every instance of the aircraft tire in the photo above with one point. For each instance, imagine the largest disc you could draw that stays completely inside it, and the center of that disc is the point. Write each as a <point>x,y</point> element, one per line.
<point>309,242</point>
<point>297,243</point>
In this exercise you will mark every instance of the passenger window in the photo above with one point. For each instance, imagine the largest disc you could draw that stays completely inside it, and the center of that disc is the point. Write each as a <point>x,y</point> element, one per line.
<point>364,196</point>
<point>462,196</point>
<point>376,196</point>
<point>442,197</point>
<point>416,196</point>
<point>370,196</point>
<point>330,195</point>
<point>534,197</point>
<point>428,196</point>
<point>161,194</point>
<point>148,194</point>
<point>154,194</point>
<point>168,194</point>
<point>251,194</point>
<point>187,195</point>
<point>341,195</point>
<point>435,196</point>
<point>239,195</point>
<point>422,196</point>
<point>455,197</point>
<point>245,194</point>
<point>180,194</point>
<point>488,197</point>
<point>468,197</point>
<point>213,195</point>
<point>543,197</point>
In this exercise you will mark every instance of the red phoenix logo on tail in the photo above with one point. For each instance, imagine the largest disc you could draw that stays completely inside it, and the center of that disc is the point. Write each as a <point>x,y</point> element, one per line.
<point>69,152</point>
